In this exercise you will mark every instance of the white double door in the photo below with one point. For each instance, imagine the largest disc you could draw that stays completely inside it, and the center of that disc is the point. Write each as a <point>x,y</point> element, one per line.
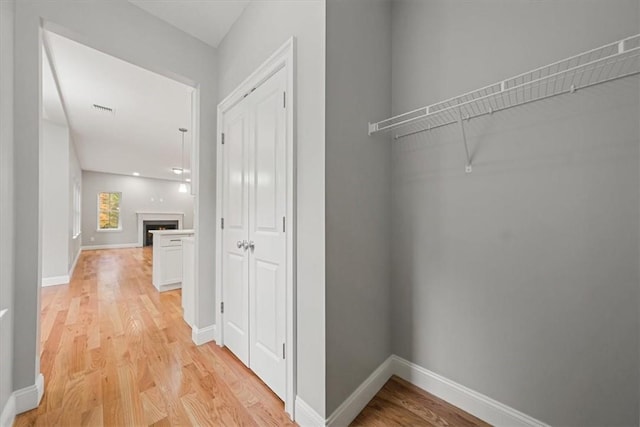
<point>253,234</point>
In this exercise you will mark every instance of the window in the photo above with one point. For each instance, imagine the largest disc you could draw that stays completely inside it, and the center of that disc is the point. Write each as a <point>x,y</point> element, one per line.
<point>76,209</point>
<point>109,211</point>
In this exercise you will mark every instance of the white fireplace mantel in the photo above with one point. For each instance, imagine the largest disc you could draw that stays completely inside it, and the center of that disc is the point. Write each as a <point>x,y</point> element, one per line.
<point>156,216</point>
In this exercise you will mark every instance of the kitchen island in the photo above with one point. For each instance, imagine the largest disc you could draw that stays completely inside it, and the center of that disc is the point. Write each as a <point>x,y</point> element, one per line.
<point>167,258</point>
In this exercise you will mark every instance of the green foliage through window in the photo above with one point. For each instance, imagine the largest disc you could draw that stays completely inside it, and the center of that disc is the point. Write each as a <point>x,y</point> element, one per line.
<point>109,211</point>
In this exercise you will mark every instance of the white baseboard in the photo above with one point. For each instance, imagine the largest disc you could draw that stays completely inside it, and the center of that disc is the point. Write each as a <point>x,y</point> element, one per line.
<point>115,246</point>
<point>8,415</point>
<point>172,287</point>
<point>356,402</point>
<point>203,335</point>
<point>28,398</point>
<point>468,400</point>
<point>61,280</point>
<point>306,416</point>
<point>56,280</point>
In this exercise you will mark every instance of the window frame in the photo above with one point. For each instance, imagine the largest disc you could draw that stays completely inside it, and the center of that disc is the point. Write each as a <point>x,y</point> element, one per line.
<point>108,230</point>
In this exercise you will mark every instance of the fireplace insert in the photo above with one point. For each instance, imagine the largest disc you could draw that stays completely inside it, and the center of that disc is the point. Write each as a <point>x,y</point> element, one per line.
<point>149,226</point>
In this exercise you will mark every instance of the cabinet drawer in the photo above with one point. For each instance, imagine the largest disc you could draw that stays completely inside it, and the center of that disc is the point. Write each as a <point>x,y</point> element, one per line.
<point>170,241</point>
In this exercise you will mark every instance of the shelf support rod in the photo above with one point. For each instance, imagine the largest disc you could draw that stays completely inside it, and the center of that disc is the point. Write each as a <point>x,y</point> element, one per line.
<point>467,168</point>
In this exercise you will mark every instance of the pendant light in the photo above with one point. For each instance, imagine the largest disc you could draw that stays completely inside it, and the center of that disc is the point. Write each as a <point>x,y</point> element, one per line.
<point>183,185</point>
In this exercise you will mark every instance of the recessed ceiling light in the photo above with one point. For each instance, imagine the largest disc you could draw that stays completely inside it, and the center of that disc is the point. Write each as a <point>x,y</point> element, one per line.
<point>177,171</point>
<point>136,174</point>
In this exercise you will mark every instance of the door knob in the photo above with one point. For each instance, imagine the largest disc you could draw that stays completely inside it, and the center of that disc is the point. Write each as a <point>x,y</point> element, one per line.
<point>252,245</point>
<point>242,244</point>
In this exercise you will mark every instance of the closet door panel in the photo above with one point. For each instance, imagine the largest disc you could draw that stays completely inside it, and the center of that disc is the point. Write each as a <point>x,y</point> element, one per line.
<point>235,262</point>
<point>267,207</point>
<point>266,166</point>
<point>267,308</point>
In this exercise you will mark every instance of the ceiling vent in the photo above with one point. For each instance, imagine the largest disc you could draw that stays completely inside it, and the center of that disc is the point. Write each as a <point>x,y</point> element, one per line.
<point>103,109</point>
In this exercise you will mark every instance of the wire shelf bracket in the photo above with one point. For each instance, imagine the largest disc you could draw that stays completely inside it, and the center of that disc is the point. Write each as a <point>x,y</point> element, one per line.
<point>603,64</point>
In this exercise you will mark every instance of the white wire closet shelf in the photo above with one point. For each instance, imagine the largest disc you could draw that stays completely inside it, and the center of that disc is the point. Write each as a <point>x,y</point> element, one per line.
<point>603,64</point>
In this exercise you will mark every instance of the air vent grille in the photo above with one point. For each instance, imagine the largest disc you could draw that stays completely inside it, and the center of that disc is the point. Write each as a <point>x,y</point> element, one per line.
<point>103,109</point>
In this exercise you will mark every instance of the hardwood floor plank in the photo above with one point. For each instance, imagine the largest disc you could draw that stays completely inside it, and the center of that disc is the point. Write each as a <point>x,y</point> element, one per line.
<point>154,407</point>
<point>92,417</point>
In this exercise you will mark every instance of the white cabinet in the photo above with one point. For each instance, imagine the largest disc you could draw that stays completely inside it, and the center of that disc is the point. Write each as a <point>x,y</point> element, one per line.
<point>171,264</point>
<point>167,258</point>
<point>188,284</point>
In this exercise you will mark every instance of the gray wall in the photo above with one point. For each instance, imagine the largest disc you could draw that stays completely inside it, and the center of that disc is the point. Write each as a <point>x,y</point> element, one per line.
<point>520,280</point>
<point>138,195</point>
<point>125,31</point>
<point>358,174</point>
<point>264,27</point>
<point>55,199</point>
<point>7,223</point>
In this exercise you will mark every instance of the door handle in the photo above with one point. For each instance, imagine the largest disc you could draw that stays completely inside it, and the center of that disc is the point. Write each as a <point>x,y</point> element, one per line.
<point>252,245</point>
<point>242,244</point>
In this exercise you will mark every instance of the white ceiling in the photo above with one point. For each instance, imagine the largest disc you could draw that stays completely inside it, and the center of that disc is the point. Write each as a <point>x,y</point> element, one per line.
<point>142,134</point>
<point>207,20</point>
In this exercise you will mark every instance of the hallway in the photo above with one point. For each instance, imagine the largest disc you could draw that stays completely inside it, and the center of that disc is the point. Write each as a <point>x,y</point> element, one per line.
<point>114,351</point>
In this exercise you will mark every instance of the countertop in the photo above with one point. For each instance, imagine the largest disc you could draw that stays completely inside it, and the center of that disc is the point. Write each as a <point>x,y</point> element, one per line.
<point>170,232</point>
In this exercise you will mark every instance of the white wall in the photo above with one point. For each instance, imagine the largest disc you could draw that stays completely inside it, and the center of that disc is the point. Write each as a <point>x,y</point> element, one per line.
<point>138,195</point>
<point>125,31</point>
<point>519,280</point>
<point>264,27</point>
<point>55,199</point>
<point>358,200</point>
<point>7,223</point>
<point>60,168</point>
<point>75,176</point>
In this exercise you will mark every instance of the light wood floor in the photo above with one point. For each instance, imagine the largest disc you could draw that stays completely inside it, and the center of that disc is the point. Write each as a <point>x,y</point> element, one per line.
<point>400,403</point>
<point>116,352</point>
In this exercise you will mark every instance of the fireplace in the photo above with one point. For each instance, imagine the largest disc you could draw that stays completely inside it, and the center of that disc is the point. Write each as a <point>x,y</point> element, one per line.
<point>149,226</point>
<point>157,218</point>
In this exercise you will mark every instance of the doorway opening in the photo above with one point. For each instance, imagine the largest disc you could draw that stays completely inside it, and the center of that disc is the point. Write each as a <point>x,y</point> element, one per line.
<point>109,172</point>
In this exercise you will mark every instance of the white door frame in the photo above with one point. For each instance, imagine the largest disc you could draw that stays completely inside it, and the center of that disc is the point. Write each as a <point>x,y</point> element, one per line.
<point>283,58</point>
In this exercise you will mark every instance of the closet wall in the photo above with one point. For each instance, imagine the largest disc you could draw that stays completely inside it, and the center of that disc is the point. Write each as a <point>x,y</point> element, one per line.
<point>519,280</point>
<point>7,221</point>
<point>358,171</point>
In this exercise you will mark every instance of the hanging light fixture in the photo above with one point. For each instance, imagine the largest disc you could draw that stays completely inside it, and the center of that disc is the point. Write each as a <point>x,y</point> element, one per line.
<point>183,185</point>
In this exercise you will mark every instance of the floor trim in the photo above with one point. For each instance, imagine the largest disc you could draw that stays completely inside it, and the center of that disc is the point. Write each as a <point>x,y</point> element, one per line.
<point>8,415</point>
<point>305,415</point>
<point>203,335</point>
<point>471,401</point>
<point>468,400</point>
<point>355,403</point>
<point>28,398</point>
<point>114,246</point>
<point>61,280</point>
<point>55,280</point>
